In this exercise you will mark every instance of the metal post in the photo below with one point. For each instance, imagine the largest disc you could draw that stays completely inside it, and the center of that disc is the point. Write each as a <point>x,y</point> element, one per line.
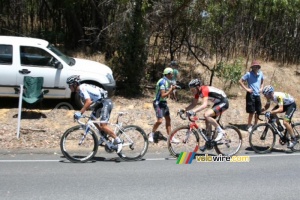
<point>20,111</point>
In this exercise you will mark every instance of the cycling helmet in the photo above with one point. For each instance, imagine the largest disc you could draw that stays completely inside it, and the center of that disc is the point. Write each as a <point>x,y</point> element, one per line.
<point>168,70</point>
<point>194,83</point>
<point>268,90</point>
<point>73,79</point>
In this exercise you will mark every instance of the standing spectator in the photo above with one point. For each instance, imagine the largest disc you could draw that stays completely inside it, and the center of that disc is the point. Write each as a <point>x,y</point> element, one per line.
<point>162,91</point>
<point>174,65</point>
<point>255,80</point>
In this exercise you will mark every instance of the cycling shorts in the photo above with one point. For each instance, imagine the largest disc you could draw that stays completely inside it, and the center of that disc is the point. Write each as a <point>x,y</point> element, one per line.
<point>161,109</point>
<point>220,106</point>
<point>289,111</point>
<point>103,109</point>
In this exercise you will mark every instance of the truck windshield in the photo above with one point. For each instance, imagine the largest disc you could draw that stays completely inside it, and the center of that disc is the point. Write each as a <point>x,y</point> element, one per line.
<point>70,61</point>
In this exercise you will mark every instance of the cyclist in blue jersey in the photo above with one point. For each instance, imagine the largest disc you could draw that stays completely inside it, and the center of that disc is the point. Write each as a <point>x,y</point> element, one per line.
<point>163,89</point>
<point>103,107</point>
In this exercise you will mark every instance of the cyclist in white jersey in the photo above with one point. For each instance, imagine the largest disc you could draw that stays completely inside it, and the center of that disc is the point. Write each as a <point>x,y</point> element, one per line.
<point>103,107</point>
<point>284,103</point>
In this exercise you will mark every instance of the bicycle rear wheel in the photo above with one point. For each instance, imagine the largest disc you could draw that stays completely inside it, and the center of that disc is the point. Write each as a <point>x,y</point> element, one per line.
<point>188,141</point>
<point>231,143</point>
<point>262,138</point>
<point>72,149</point>
<point>296,129</point>
<point>135,142</point>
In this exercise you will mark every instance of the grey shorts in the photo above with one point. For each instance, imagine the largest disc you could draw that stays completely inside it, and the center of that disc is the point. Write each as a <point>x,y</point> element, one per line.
<point>103,109</point>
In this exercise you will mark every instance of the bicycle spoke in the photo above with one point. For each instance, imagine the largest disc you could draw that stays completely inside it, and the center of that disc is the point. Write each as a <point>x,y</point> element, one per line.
<point>231,143</point>
<point>262,138</point>
<point>296,129</point>
<point>135,143</point>
<point>188,141</point>
<point>76,147</point>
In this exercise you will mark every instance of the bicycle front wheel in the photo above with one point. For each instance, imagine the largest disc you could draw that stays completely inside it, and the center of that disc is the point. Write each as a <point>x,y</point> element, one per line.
<point>262,138</point>
<point>182,139</point>
<point>296,129</point>
<point>231,143</point>
<point>135,142</point>
<point>77,148</point>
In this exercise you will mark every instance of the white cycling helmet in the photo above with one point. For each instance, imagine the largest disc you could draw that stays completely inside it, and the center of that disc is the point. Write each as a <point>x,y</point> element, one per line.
<point>195,83</point>
<point>73,79</point>
<point>268,90</point>
<point>168,70</point>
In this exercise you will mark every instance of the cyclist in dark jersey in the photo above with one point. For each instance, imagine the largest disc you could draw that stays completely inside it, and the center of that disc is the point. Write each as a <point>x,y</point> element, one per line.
<point>284,103</point>
<point>103,107</point>
<point>208,93</point>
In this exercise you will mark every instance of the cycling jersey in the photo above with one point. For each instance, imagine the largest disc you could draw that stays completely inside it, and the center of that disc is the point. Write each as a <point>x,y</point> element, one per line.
<point>162,84</point>
<point>91,91</point>
<point>215,95</point>
<point>281,98</point>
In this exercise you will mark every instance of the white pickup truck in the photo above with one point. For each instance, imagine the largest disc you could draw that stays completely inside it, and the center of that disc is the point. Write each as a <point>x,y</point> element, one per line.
<point>23,56</point>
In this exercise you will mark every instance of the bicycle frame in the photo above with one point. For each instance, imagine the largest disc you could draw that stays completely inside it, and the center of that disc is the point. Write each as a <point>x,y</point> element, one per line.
<point>90,124</point>
<point>193,125</point>
<point>271,123</point>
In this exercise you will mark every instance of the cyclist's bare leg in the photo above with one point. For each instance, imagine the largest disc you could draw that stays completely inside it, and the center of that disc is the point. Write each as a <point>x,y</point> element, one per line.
<point>104,127</point>
<point>168,124</point>
<point>157,124</point>
<point>208,116</point>
<point>208,127</point>
<point>289,128</point>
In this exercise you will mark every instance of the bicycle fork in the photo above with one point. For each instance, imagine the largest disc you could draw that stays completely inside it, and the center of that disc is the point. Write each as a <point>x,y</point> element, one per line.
<point>87,129</point>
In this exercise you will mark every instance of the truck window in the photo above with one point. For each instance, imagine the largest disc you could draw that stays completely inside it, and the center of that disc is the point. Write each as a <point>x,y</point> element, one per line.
<point>5,54</point>
<point>35,57</point>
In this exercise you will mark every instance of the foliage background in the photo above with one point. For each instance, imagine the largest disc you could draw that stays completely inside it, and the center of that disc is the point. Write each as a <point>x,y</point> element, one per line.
<point>138,38</point>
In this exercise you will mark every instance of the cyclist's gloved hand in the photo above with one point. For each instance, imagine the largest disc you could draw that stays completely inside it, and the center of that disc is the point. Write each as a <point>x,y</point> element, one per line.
<point>190,113</point>
<point>268,114</point>
<point>77,115</point>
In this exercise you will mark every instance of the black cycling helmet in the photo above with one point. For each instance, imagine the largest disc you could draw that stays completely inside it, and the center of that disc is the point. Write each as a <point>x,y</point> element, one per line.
<point>194,83</point>
<point>73,79</point>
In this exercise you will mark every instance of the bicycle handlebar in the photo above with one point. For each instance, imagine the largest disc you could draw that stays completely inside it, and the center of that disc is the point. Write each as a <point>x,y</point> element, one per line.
<point>280,118</point>
<point>191,118</point>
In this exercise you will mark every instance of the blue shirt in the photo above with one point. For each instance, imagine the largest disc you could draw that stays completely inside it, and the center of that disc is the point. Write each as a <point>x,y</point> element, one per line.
<point>254,81</point>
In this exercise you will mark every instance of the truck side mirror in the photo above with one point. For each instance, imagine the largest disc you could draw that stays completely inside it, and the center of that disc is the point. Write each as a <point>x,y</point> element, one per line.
<point>58,65</point>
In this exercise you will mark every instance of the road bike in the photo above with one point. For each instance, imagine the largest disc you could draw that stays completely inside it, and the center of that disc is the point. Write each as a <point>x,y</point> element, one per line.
<point>263,136</point>
<point>189,138</point>
<point>80,143</point>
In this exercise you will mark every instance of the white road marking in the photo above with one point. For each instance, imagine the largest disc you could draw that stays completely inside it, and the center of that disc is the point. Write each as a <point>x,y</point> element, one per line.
<point>156,159</point>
